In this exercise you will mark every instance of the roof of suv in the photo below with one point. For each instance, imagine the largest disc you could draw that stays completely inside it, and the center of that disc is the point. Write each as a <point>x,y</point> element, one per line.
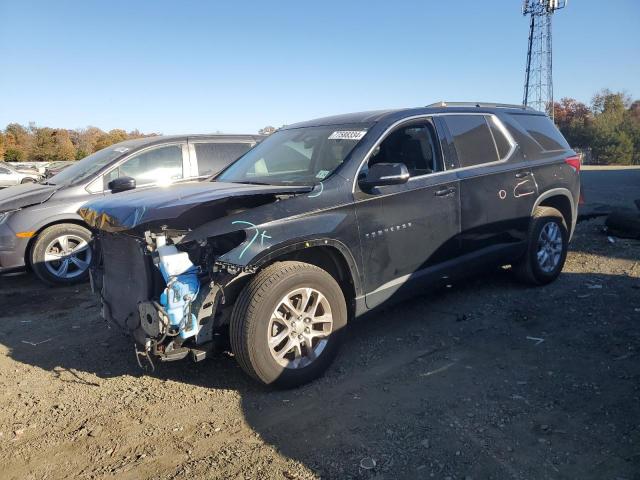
<point>375,116</point>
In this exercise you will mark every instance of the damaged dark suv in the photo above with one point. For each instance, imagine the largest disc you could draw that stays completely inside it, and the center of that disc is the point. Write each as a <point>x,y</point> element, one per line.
<point>326,220</point>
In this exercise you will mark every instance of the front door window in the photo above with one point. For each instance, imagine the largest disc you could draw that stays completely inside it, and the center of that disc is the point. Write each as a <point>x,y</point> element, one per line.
<point>415,145</point>
<point>161,166</point>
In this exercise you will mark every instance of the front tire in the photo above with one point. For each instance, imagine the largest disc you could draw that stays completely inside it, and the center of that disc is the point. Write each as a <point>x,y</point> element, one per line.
<point>547,247</point>
<point>61,254</point>
<point>287,324</point>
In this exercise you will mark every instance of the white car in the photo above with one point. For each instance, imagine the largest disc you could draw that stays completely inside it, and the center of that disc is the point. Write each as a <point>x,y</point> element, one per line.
<point>28,167</point>
<point>9,175</point>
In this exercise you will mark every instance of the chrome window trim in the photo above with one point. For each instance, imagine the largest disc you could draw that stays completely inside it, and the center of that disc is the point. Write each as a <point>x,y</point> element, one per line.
<point>219,140</point>
<point>112,167</point>
<point>393,126</point>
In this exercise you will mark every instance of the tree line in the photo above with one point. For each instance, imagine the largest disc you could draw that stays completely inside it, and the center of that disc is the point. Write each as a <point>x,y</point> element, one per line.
<point>609,127</point>
<point>32,143</point>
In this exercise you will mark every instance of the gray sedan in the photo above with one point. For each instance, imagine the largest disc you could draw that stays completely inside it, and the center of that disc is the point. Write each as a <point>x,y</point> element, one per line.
<point>39,226</point>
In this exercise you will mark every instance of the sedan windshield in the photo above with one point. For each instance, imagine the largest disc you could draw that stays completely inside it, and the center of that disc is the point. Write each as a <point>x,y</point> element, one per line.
<point>7,166</point>
<point>85,168</point>
<point>301,156</point>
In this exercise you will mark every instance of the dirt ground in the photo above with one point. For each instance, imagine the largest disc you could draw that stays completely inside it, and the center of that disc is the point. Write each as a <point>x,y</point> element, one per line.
<point>486,379</point>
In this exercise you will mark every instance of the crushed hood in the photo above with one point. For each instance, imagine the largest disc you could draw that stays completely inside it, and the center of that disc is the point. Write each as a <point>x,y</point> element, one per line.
<point>20,196</point>
<point>129,210</point>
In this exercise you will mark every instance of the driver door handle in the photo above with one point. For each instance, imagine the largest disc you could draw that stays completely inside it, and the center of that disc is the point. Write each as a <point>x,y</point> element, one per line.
<point>522,174</point>
<point>445,192</point>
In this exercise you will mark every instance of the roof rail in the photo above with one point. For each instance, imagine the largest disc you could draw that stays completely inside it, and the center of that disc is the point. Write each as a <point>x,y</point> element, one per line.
<point>478,105</point>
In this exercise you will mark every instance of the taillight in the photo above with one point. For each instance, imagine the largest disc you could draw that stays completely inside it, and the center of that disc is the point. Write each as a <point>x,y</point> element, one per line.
<point>573,162</point>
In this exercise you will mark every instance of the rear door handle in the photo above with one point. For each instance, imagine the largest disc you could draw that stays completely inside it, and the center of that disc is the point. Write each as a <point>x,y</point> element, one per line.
<point>444,192</point>
<point>522,174</point>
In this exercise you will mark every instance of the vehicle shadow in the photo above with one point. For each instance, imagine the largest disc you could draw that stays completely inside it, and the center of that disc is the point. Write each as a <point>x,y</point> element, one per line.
<point>470,380</point>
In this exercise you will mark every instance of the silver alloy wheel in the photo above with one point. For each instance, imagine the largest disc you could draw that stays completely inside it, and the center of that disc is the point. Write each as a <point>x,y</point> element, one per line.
<point>67,256</point>
<point>550,247</point>
<point>299,328</point>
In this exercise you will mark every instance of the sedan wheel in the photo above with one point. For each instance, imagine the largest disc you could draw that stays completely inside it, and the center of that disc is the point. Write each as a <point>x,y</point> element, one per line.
<point>61,254</point>
<point>67,256</point>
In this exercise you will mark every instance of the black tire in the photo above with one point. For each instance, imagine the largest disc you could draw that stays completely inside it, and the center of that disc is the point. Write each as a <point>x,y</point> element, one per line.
<point>528,269</point>
<point>624,223</point>
<point>27,180</point>
<point>249,328</point>
<point>44,239</point>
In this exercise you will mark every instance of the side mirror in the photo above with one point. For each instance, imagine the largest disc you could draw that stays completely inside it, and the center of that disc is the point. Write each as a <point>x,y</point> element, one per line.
<point>122,184</point>
<point>381,174</point>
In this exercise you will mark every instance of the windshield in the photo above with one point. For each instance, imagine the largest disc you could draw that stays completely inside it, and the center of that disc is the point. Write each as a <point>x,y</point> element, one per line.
<point>7,166</point>
<point>300,155</point>
<point>85,168</point>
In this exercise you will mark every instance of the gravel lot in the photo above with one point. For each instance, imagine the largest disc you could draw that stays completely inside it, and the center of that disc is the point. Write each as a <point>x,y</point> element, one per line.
<point>486,379</point>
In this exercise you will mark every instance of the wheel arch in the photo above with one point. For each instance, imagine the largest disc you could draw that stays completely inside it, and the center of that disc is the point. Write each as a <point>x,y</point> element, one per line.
<point>329,254</point>
<point>40,229</point>
<point>562,200</point>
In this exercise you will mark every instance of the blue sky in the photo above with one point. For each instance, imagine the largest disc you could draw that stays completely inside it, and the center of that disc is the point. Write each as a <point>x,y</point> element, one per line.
<point>187,66</point>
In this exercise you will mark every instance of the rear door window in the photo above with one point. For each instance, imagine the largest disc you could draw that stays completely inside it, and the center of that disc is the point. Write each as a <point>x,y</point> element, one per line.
<point>213,157</point>
<point>472,139</point>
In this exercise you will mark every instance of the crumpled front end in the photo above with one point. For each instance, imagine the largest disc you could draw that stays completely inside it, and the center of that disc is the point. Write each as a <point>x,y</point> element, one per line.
<point>153,291</point>
<point>169,259</point>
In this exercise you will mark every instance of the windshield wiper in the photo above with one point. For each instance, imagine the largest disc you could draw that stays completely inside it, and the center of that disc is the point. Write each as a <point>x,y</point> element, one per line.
<point>253,183</point>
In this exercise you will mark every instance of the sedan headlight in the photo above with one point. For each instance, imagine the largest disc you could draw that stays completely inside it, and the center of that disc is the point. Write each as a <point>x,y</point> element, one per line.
<point>5,215</point>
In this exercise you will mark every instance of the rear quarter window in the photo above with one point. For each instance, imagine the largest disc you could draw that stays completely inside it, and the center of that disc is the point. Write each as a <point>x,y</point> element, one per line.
<point>543,131</point>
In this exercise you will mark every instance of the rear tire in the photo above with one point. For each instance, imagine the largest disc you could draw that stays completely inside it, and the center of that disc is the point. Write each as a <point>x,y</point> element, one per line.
<point>282,308</point>
<point>61,254</point>
<point>547,246</point>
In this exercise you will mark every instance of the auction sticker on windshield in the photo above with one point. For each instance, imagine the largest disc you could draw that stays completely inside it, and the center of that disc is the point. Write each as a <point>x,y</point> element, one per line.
<point>347,135</point>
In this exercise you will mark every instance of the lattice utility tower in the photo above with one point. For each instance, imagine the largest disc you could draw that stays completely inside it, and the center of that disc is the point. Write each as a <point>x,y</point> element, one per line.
<point>538,86</point>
